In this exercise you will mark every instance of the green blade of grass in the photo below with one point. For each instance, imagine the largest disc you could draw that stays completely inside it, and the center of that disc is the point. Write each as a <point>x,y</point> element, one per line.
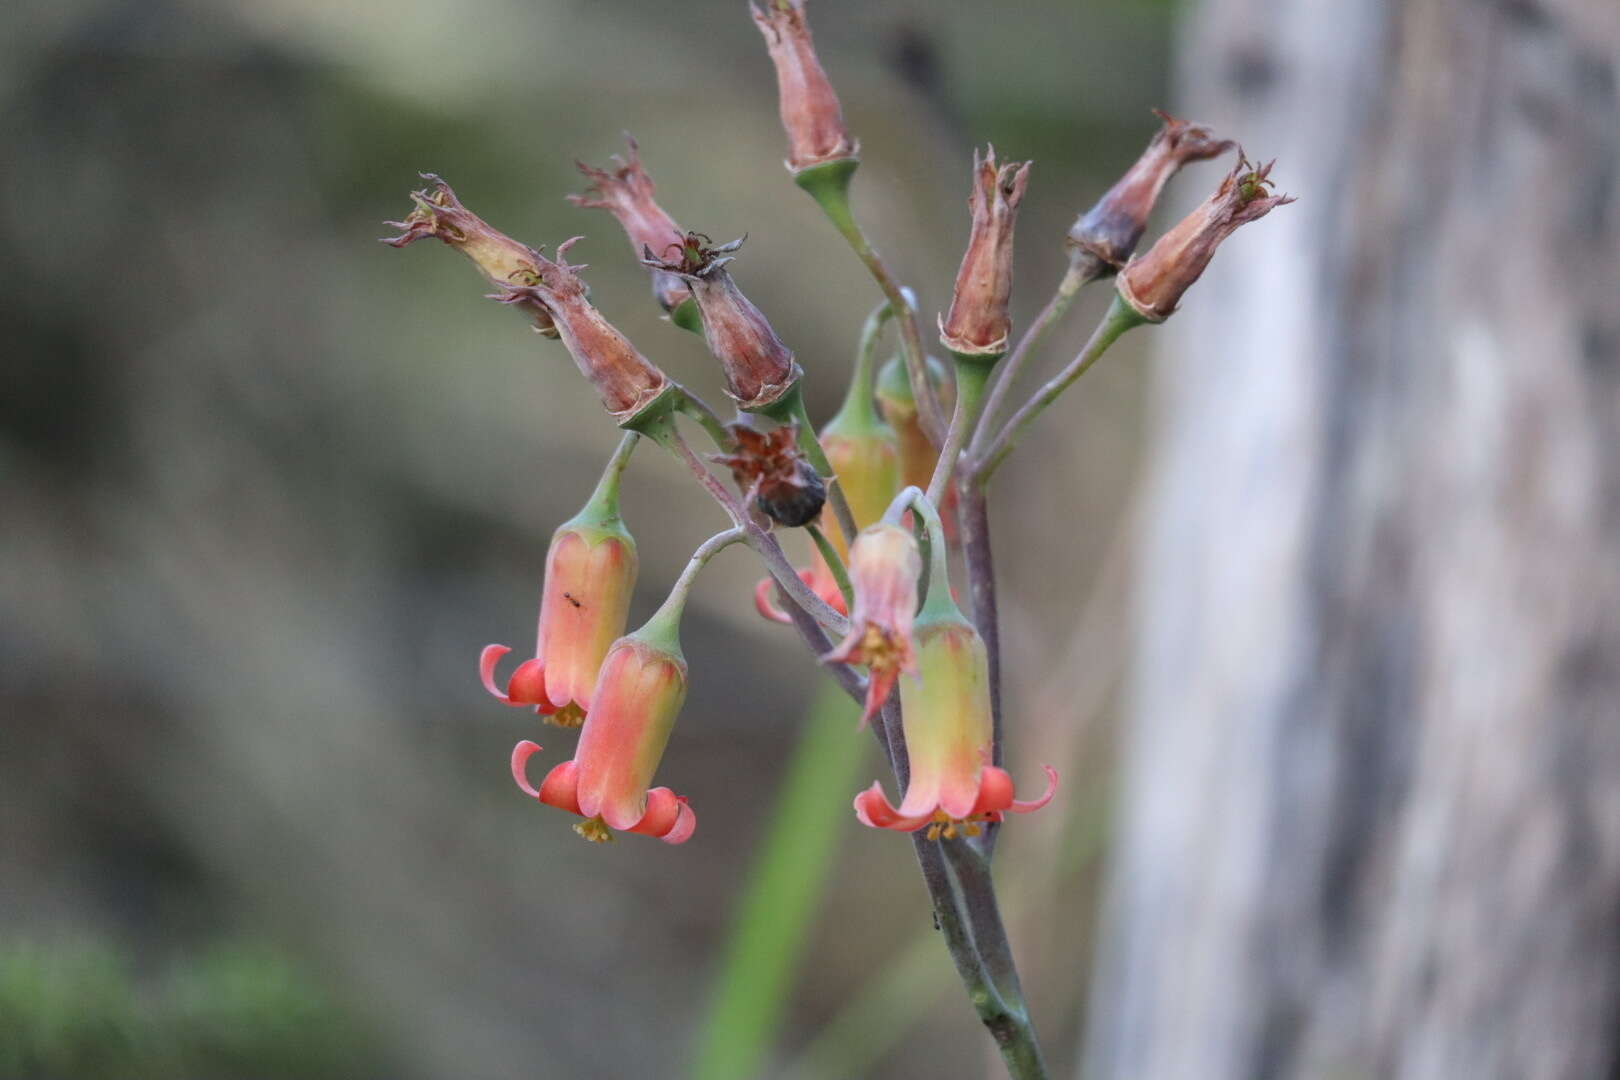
<point>778,906</point>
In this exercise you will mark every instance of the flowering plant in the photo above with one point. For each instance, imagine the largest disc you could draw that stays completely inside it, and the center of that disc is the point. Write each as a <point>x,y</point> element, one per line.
<point>891,494</point>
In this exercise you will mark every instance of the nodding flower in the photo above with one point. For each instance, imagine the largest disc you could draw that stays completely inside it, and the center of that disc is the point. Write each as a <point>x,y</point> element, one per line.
<point>584,604</point>
<point>626,381</point>
<point>820,580</point>
<point>626,192</point>
<point>811,115</point>
<point>945,701</point>
<point>1153,284</point>
<point>977,324</point>
<point>639,693</point>
<point>884,565</point>
<point>918,454</point>
<point>502,260</point>
<point>1109,232</point>
<point>758,367</point>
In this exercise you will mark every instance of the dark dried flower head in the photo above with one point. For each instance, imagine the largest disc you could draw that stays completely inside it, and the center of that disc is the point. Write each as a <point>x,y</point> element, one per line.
<point>758,367</point>
<point>626,192</point>
<point>1154,283</point>
<point>1110,230</point>
<point>769,468</point>
<point>502,260</point>
<point>978,324</point>
<point>810,110</point>
<point>625,380</point>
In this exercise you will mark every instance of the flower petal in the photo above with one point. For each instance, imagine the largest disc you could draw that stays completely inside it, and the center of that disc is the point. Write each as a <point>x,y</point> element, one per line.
<point>872,809</point>
<point>486,671</point>
<point>1025,806</point>
<point>560,788</point>
<point>685,825</point>
<point>763,605</point>
<point>521,753</point>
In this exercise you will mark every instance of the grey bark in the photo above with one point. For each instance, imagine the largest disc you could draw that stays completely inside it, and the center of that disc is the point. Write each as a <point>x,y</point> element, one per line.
<point>1372,820</point>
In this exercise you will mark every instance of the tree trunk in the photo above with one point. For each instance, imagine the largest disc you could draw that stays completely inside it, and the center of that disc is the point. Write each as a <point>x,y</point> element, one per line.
<point>1372,820</point>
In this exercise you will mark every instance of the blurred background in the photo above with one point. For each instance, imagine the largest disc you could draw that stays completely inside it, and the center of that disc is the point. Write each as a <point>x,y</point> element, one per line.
<point>1319,624</point>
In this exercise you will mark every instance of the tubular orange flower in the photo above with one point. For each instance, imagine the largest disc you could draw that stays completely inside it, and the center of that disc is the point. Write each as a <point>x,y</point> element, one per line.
<point>1111,229</point>
<point>626,381</point>
<point>584,602</point>
<point>626,192</point>
<point>502,260</point>
<point>810,111</point>
<point>977,324</point>
<point>639,692</point>
<point>1153,284</point>
<point>948,729</point>
<point>884,566</point>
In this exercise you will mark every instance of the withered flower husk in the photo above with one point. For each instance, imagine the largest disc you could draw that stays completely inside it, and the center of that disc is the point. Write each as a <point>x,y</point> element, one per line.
<point>758,367</point>
<point>1110,230</point>
<point>502,260</point>
<point>810,111</point>
<point>626,192</point>
<point>1153,284</point>
<point>978,323</point>
<point>625,380</point>
<point>769,468</point>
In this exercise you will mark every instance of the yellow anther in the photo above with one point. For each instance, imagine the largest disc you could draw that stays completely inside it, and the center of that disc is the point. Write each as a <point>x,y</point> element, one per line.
<point>569,716</point>
<point>595,830</point>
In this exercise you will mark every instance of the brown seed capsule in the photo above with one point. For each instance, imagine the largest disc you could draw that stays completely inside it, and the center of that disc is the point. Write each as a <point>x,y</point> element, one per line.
<point>625,380</point>
<point>1153,284</point>
<point>769,468</point>
<point>1110,230</point>
<point>626,192</point>
<point>978,324</point>
<point>502,260</point>
<point>809,105</point>
<point>758,367</point>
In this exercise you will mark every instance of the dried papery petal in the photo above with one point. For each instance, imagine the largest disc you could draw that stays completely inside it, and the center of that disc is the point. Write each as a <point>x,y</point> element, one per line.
<point>626,191</point>
<point>811,115</point>
<point>978,323</point>
<point>1111,229</point>
<point>502,260</point>
<point>626,381</point>
<point>1153,284</point>
<point>758,367</point>
<point>770,469</point>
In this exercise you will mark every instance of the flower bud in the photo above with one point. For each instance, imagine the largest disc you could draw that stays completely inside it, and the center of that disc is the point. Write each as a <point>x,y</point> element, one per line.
<point>770,469</point>
<point>884,565</point>
<point>1153,284</point>
<point>1110,230</point>
<point>810,110</point>
<point>502,260</point>
<point>584,603</point>
<point>759,368</point>
<point>626,381</point>
<point>626,192</point>
<point>894,397</point>
<point>978,324</point>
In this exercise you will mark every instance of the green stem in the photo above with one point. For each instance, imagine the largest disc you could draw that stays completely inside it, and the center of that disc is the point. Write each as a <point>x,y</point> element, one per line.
<point>791,407</point>
<point>1119,318</point>
<point>603,505</point>
<point>971,377</point>
<point>829,554</point>
<point>663,628</point>
<point>695,408</point>
<point>1079,274</point>
<point>829,186</point>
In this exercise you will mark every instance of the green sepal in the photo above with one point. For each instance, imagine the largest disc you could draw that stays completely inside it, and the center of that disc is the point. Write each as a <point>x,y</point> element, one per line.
<point>599,519</point>
<point>687,317</point>
<point>828,184</point>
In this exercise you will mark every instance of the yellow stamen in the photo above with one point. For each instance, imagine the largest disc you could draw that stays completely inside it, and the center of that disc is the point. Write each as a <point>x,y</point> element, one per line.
<point>943,825</point>
<point>595,830</point>
<point>569,716</point>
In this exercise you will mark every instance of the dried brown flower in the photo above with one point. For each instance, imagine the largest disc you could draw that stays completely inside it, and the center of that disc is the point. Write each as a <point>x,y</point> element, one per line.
<point>978,324</point>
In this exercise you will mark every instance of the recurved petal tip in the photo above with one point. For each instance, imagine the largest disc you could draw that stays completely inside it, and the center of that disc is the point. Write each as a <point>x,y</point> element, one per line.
<point>521,753</point>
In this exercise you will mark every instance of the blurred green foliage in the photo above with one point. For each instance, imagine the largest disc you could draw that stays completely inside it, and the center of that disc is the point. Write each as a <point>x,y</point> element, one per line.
<point>239,1009</point>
